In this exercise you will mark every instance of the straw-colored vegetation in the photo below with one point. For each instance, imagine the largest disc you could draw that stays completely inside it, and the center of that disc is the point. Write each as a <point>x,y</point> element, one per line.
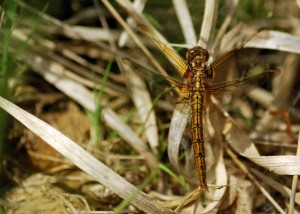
<point>126,143</point>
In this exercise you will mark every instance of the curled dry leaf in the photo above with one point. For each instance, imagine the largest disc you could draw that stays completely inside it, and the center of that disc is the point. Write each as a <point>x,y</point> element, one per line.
<point>177,128</point>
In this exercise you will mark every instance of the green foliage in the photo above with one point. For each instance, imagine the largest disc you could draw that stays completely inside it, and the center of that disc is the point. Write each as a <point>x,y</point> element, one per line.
<point>9,7</point>
<point>251,10</point>
<point>179,179</point>
<point>95,116</point>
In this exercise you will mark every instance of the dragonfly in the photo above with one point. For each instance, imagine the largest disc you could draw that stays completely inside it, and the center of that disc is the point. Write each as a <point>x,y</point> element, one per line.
<point>199,82</point>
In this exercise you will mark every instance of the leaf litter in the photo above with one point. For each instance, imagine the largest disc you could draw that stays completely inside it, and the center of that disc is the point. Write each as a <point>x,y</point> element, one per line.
<point>132,146</point>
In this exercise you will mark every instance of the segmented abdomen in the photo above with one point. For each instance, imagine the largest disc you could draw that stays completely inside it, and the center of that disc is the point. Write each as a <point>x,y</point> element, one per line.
<point>197,110</point>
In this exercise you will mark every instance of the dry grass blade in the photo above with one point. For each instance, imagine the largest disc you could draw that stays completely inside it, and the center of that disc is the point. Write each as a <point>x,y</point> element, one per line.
<point>89,33</point>
<point>185,21</point>
<point>231,38</point>
<point>177,127</point>
<point>139,6</point>
<point>244,146</point>
<point>262,96</point>
<point>282,165</point>
<point>225,25</point>
<point>298,3</point>
<point>190,198</point>
<point>286,82</point>
<point>143,103</point>
<point>294,183</point>
<point>276,40</point>
<point>178,124</point>
<point>127,5</point>
<point>285,191</point>
<point>83,159</point>
<point>208,23</point>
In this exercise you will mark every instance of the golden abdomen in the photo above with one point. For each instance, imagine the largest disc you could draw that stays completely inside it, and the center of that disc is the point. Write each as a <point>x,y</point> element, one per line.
<point>197,110</point>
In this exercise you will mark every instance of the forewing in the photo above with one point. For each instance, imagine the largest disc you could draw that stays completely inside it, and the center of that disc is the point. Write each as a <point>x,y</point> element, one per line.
<point>240,70</point>
<point>176,60</point>
<point>161,80</point>
<point>246,81</point>
<point>237,63</point>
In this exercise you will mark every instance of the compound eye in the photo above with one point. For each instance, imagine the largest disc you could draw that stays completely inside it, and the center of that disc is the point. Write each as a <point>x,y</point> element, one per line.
<point>197,52</point>
<point>204,55</point>
<point>191,54</point>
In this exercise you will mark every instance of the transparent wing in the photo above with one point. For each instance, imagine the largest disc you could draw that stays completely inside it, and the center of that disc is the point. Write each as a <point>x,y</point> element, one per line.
<point>247,81</point>
<point>237,63</point>
<point>239,71</point>
<point>161,80</point>
<point>176,60</point>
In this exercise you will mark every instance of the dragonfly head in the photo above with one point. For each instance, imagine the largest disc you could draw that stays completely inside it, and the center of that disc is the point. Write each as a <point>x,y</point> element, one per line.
<point>197,55</point>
